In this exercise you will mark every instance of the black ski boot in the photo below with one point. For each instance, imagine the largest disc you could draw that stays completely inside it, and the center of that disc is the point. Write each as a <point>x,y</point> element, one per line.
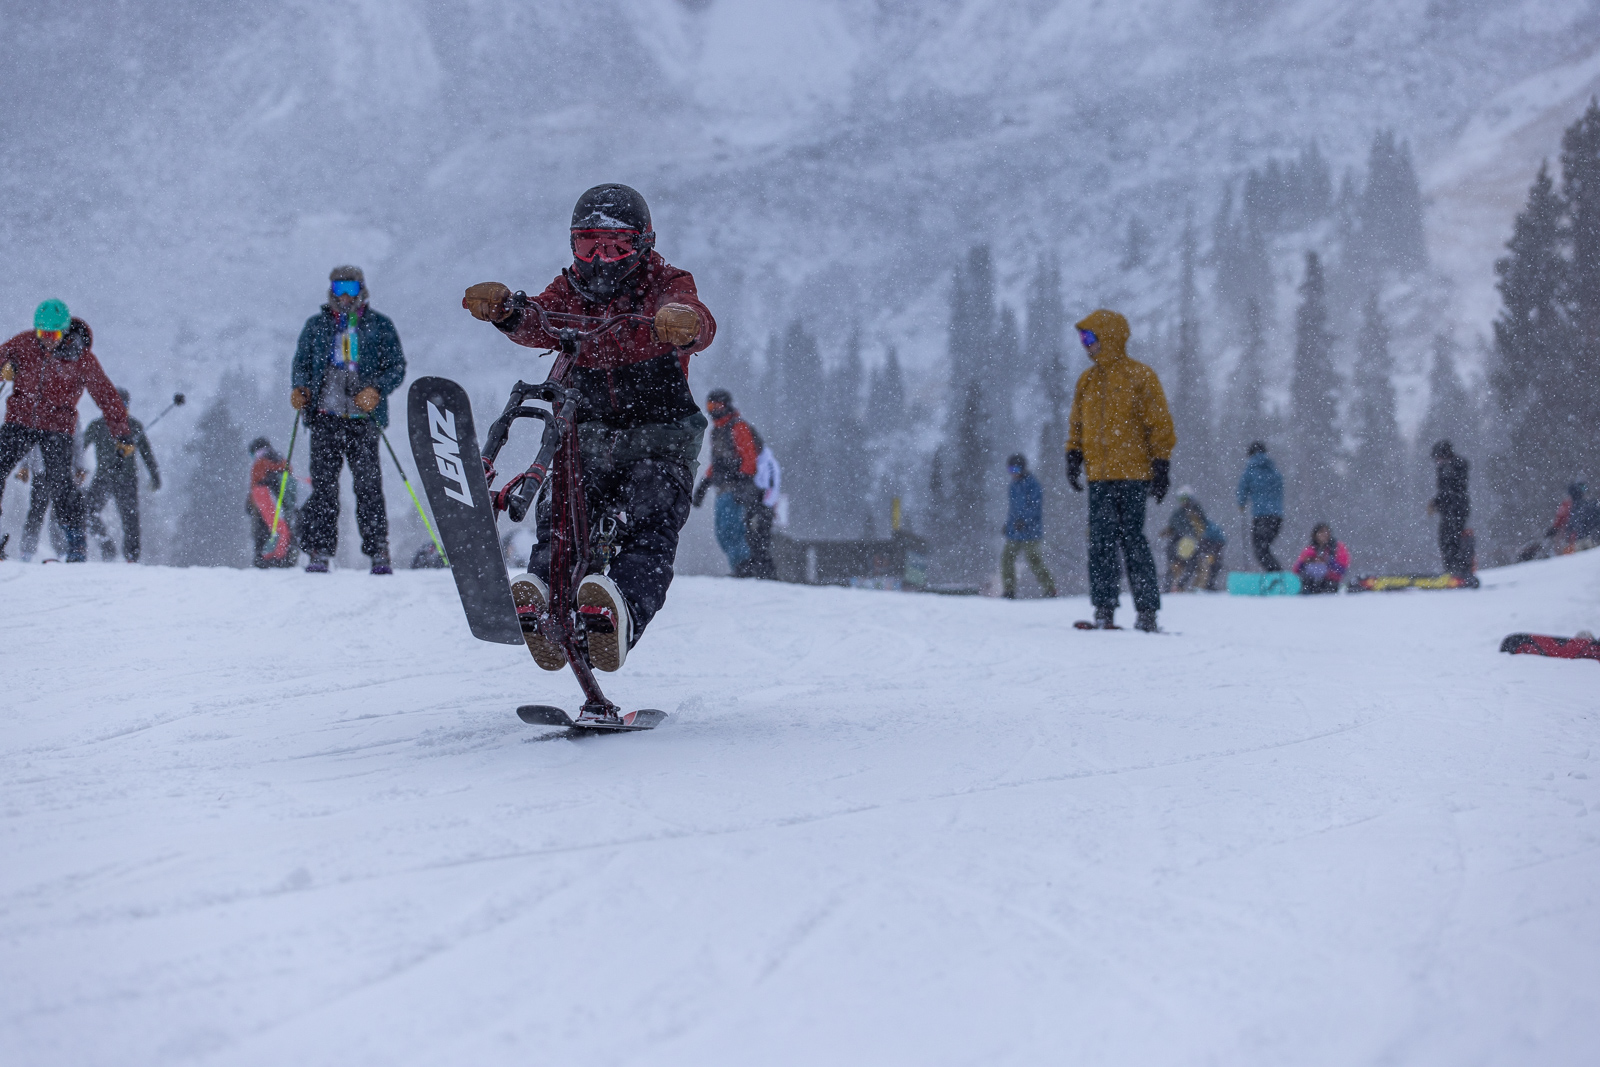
<point>1146,622</point>
<point>1105,618</point>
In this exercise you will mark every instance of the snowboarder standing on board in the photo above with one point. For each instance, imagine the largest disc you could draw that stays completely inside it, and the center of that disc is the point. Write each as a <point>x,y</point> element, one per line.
<point>346,364</point>
<point>117,476</point>
<point>736,449</point>
<point>1261,490</point>
<point>1452,505</point>
<point>639,428</point>
<point>1024,529</point>
<point>49,367</point>
<point>1120,435</point>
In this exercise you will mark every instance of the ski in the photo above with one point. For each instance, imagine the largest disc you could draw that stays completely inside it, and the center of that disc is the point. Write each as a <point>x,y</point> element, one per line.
<point>1085,624</point>
<point>1388,583</point>
<point>548,715</point>
<point>1579,646</point>
<point>445,448</point>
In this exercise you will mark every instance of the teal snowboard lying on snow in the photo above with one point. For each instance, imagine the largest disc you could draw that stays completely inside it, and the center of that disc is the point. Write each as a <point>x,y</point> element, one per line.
<point>1273,583</point>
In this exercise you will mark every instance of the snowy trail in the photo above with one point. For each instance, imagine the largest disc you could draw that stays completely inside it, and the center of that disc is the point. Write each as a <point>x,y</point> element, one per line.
<point>266,818</point>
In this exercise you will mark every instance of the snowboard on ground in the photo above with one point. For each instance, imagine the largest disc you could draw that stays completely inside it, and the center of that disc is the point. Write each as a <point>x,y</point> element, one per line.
<point>1272,583</point>
<point>1387,583</point>
<point>549,715</point>
<point>1581,646</point>
<point>450,467</point>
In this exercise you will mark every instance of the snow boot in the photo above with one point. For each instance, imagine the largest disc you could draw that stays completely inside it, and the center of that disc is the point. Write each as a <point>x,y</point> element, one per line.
<point>108,551</point>
<point>1146,622</point>
<point>380,563</point>
<point>318,564</point>
<point>605,616</point>
<point>1105,618</point>
<point>531,596</point>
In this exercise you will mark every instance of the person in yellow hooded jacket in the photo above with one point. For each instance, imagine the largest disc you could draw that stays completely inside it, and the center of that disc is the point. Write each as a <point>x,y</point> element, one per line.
<point>1120,434</point>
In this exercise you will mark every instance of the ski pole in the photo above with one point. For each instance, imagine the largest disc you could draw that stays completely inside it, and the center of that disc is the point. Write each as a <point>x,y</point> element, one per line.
<point>422,514</point>
<point>283,482</point>
<point>177,401</point>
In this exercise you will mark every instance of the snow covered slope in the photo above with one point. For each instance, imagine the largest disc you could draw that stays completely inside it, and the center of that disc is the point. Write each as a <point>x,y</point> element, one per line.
<point>266,818</point>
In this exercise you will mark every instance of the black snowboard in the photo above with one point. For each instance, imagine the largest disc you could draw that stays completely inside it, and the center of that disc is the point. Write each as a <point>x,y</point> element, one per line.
<point>445,448</point>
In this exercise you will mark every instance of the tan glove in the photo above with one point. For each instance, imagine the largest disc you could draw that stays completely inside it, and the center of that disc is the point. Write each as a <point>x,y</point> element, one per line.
<point>23,474</point>
<point>367,399</point>
<point>676,324</point>
<point>299,397</point>
<point>126,449</point>
<point>6,373</point>
<point>487,301</point>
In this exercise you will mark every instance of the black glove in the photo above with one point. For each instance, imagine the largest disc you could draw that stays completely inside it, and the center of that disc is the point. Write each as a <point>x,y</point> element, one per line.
<point>1160,478</point>
<point>155,482</point>
<point>1075,470</point>
<point>700,491</point>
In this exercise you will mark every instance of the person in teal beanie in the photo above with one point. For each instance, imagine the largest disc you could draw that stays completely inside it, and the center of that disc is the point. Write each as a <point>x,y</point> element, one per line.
<point>347,363</point>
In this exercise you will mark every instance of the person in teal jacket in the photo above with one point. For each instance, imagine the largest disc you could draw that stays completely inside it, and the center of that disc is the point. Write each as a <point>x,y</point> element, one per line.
<point>1261,490</point>
<point>347,363</point>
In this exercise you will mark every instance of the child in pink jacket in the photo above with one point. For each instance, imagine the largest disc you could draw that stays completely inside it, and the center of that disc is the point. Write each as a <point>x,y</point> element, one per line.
<point>1323,564</point>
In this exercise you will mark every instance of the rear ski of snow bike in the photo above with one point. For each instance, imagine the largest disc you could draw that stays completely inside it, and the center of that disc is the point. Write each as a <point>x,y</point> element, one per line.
<point>557,469</point>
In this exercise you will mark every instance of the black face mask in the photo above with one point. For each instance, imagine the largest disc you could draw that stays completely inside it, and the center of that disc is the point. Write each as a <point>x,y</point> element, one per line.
<point>600,281</point>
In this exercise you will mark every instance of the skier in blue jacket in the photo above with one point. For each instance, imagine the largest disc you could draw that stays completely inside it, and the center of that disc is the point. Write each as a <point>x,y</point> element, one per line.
<point>1261,489</point>
<point>1024,529</point>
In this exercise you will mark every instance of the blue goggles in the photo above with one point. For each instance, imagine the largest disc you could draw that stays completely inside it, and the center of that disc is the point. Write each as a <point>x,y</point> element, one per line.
<point>345,288</point>
<point>1088,338</point>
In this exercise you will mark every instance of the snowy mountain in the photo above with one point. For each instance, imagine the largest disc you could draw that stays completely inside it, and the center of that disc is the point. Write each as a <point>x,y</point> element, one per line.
<point>184,175</point>
<point>282,819</point>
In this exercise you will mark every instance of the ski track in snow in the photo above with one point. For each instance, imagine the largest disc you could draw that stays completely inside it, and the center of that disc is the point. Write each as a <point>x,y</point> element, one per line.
<point>267,818</point>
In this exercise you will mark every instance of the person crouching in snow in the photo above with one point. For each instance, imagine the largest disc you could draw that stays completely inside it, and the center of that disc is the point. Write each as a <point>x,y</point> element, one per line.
<point>49,367</point>
<point>639,428</point>
<point>1323,564</point>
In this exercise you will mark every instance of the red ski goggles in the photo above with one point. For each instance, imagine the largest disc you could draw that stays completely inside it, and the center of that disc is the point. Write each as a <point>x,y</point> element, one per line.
<point>48,335</point>
<point>608,246</point>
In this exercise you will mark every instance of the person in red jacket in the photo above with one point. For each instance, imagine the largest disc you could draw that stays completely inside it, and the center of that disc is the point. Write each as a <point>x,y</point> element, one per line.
<point>49,367</point>
<point>639,428</point>
<point>736,449</point>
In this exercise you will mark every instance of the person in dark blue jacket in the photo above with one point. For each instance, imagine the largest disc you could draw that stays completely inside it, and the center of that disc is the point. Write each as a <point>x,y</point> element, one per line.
<point>1024,529</point>
<point>347,363</point>
<point>1261,490</point>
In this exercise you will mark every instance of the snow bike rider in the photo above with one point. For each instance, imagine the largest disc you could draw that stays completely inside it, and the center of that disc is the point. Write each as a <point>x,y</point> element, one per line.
<point>639,428</point>
<point>49,367</point>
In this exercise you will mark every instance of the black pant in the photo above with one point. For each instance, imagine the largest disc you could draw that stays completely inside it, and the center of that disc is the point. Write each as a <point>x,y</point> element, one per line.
<point>646,474</point>
<point>333,441</point>
<point>1263,531</point>
<point>59,488</point>
<point>125,488</point>
<point>1452,544</point>
<point>1116,523</point>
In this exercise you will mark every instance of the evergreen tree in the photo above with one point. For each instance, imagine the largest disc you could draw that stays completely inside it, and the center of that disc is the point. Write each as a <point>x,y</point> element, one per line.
<point>1136,244</point>
<point>847,471</point>
<point>1007,371</point>
<point>795,435</point>
<point>973,321</point>
<point>1249,375</point>
<point>1191,392</point>
<point>1452,413</point>
<point>1532,336</point>
<point>967,496</point>
<point>1577,405</point>
<point>1377,484</point>
<point>214,531</point>
<point>1047,321</point>
<point>1389,213</point>
<point>886,404</point>
<point>1313,391</point>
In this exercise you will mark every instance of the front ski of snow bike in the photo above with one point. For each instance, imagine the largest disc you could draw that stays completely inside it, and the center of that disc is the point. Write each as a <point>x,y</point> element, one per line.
<point>558,470</point>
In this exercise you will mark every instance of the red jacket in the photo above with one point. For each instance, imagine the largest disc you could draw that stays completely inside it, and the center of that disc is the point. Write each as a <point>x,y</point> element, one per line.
<point>47,386</point>
<point>626,377</point>
<point>735,448</point>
